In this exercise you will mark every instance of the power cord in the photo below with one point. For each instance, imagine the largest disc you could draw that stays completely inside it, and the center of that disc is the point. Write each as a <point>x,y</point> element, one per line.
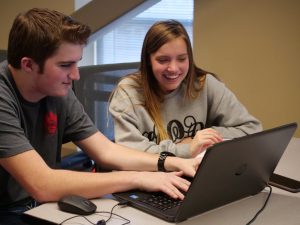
<point>102,221</point>
<point>263,207</point>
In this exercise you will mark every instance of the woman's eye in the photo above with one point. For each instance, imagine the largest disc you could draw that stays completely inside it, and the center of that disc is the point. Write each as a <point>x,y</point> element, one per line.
<point>162,60</point>
<point>182,59</point>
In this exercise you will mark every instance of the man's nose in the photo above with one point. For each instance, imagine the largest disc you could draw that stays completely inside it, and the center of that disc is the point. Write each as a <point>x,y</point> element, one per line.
<point>74,75</point>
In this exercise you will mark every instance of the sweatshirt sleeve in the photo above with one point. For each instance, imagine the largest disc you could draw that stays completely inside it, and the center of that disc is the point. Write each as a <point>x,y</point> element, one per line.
<point>130,116</point>
<point>226,113</point>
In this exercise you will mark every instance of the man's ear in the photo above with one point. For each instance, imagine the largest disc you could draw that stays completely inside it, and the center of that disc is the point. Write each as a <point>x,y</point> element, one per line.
<point>28,65</point>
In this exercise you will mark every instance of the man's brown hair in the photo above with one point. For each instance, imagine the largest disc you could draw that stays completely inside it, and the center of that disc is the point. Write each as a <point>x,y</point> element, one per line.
<point>39,32</point>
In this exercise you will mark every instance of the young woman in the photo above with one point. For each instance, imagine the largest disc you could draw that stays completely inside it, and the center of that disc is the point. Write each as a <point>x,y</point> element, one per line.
<point>172,105</point>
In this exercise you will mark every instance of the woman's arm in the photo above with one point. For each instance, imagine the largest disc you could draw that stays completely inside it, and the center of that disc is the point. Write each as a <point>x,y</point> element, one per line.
<point>226,113</point>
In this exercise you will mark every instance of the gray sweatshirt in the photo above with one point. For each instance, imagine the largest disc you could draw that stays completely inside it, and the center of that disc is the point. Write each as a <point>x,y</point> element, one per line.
<point>216,107</point>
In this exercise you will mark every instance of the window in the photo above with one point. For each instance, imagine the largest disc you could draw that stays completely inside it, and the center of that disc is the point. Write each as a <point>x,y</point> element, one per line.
<point>122,41</point>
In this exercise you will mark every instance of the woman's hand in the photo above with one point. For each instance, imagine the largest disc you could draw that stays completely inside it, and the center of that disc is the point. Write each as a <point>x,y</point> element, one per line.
<point>186,140</point>
<point>204,139</point>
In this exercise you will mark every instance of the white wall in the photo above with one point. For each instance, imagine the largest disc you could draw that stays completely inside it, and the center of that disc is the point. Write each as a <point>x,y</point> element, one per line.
<point>254,46</point>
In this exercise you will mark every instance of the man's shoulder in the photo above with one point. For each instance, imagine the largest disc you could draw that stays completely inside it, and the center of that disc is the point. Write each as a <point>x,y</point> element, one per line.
<point>3,69</point>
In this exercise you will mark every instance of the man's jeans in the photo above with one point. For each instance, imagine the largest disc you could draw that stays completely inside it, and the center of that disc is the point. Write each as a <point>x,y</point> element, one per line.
<point>13,215</point>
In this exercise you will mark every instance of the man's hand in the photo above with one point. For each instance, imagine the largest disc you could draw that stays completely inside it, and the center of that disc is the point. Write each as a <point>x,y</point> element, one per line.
<point>170,183</point>
<point>187,166</point>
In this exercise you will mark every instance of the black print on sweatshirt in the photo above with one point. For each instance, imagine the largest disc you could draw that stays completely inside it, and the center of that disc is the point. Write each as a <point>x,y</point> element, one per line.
<point>177,131</point>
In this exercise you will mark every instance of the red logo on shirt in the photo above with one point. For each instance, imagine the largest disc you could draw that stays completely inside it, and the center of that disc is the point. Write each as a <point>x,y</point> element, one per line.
<point>50,122</point>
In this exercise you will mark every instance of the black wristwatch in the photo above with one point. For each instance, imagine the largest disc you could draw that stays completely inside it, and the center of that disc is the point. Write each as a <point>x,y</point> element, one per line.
<point>161,160</point>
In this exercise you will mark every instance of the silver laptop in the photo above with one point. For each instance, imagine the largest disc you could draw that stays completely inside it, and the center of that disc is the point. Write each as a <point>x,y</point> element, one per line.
<point>230,170</point>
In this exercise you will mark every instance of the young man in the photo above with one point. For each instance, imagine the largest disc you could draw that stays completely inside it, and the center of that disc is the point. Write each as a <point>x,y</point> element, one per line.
<point>39,112</point>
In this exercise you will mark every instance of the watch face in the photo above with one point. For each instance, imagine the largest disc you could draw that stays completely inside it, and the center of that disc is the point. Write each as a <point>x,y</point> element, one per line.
<point>162,157</point>
<point>167,154</point>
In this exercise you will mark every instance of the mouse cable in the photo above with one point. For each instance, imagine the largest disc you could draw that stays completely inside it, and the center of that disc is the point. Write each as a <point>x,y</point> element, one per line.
<point>72,217</point>
<point>111,213</point>
<point>263,207</point>
<point>127,221</point>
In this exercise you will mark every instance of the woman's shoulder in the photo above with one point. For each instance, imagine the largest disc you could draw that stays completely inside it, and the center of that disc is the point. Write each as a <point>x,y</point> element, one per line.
<point>130,79</point>
<point>213,81</point>
<point>212,78</point>
<point>214,87</point>
<point>129,86</point>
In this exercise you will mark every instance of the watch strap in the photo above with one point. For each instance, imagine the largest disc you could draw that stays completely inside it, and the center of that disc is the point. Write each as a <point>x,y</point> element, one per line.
<point>161,160</point>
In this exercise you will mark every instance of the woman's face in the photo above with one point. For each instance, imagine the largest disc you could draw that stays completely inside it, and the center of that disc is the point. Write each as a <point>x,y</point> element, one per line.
<point>170,64</point>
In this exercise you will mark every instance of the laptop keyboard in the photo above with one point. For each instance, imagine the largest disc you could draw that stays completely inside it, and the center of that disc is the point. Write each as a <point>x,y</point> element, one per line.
<point>161,201</point>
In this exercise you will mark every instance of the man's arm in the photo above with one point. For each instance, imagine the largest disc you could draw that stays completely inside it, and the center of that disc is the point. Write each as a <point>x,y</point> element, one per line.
<point>114,156</point>
<point>46,184</point>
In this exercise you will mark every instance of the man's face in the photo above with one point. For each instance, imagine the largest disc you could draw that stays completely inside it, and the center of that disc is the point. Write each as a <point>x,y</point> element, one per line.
<point>59,72</point>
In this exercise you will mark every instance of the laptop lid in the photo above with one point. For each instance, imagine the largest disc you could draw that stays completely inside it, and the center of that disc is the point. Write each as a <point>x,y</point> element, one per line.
<point>230,170</point>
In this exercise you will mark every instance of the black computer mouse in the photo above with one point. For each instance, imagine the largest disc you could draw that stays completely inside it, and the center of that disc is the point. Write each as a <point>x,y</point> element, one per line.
<point>77,205</point>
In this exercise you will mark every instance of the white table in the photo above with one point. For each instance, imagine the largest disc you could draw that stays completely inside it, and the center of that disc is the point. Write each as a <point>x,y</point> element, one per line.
<point>283,207</point>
